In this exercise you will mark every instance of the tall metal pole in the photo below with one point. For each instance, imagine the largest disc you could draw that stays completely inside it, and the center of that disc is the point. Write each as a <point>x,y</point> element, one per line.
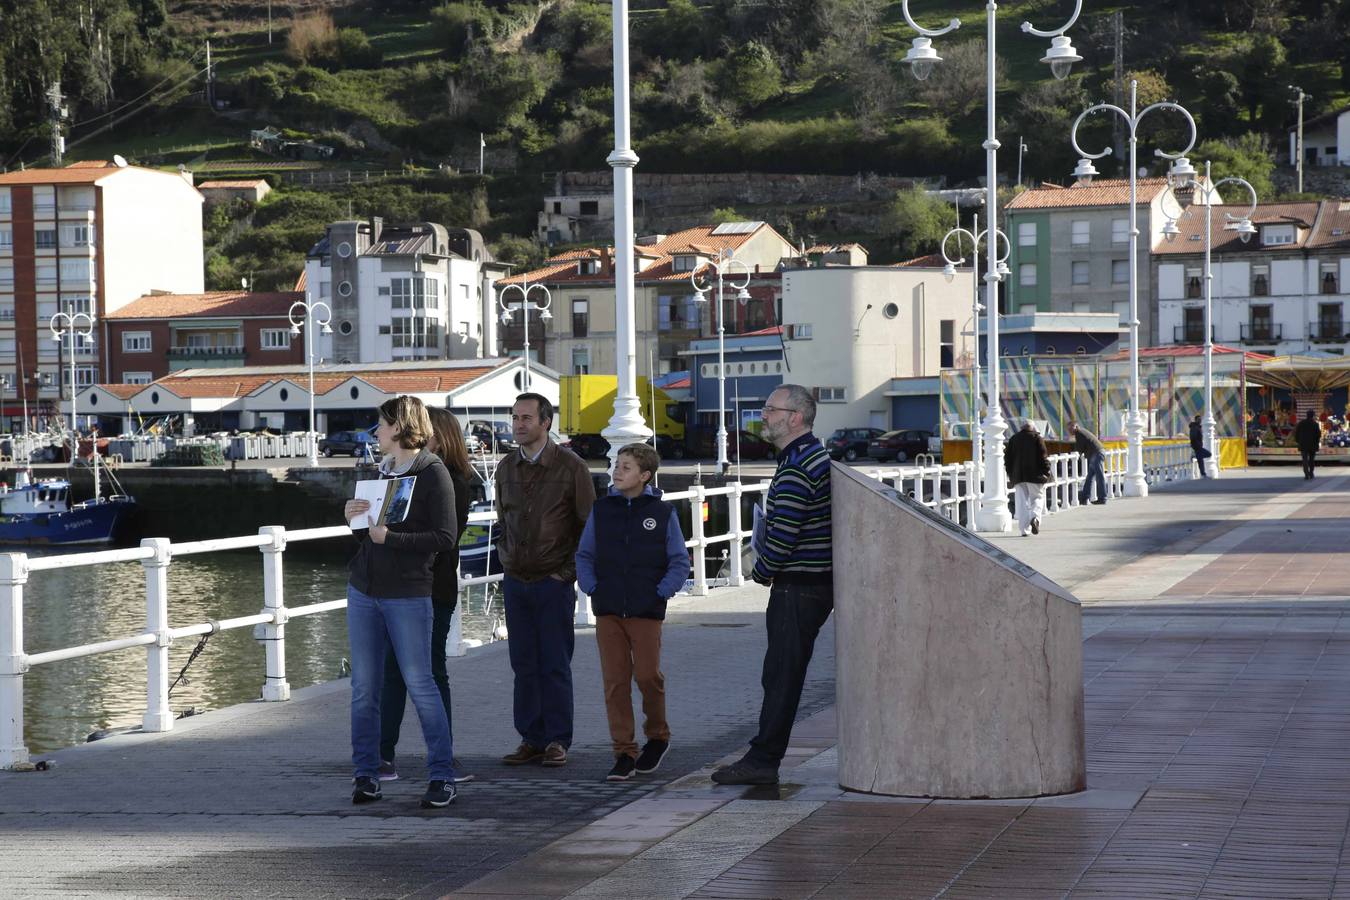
<point>1301,97</point>
<point>1207,424</point>
<point>626,425</point>
<point>722,463</point>
<point>976,444</point>
<point>1136,484</point>
<point>308,321</point>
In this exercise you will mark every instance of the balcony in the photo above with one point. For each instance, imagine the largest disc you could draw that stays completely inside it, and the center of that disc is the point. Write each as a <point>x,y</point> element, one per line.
<point>200,352</point>
<point>1262,333</point>
<point>1329,331</point>
<point>1191,334</point>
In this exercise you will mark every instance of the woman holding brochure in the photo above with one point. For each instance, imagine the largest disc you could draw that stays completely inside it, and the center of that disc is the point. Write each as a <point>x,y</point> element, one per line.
<point>447,442</point>
<point>389,598</point>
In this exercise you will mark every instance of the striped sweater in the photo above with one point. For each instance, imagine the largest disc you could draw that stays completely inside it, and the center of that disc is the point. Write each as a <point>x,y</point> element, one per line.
<point>796,542</point>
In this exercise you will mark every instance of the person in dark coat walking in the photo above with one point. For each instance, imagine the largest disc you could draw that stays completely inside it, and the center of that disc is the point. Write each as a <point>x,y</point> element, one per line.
<point>1086,443</point>
<point>1027,463</point>
<point>1198,447</point>
<point>1308,436</point>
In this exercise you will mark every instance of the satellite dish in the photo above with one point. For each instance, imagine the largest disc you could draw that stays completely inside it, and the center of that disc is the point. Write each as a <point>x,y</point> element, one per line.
<point>119,160</point>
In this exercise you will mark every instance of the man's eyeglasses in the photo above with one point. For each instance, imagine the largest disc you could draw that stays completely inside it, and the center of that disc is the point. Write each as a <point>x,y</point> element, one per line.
<point>786,409</point>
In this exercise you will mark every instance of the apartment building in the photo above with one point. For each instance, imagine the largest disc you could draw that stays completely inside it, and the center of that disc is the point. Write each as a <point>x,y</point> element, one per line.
<point>89,238</point>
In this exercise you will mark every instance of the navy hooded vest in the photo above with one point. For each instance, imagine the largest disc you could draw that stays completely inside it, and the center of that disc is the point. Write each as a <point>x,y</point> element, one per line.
<point>630,556</point>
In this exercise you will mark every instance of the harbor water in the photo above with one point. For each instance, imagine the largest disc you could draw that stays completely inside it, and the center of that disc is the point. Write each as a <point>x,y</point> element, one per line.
<point>64,702</point>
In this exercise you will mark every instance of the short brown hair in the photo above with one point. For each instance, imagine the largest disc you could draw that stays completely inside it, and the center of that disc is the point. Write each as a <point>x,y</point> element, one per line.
<point>409,417</point>
<point>644,455</point>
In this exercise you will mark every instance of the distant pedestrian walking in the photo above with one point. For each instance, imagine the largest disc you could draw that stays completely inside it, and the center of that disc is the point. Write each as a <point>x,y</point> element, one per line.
<point>544,496</point>
<point>1198,447</point>
<point>631,560</point>
<point>1086,443</point>
<point>1027,463</point>
<point>795,559</point>
<point>389,602</point>
<point>447,442</point>
<point>1308,436</point>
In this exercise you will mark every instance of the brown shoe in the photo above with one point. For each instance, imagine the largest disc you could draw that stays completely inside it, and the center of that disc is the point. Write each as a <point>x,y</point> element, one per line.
<point>555,754</point>
<point>524,754</point>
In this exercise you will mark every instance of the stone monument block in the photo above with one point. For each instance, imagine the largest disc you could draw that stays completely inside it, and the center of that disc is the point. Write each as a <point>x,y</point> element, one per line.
<point>960,668</point>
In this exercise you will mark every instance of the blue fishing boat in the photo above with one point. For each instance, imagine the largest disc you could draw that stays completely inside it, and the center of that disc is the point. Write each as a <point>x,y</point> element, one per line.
<point>40,512</point>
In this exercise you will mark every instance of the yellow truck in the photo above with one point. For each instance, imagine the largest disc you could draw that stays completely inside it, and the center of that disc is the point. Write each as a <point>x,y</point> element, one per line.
<point>586,404</point>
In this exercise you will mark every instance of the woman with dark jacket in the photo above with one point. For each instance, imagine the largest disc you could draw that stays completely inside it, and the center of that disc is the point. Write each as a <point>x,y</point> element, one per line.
<point>389,600</point>
<point>1027,463</point>
<point>447,442</point>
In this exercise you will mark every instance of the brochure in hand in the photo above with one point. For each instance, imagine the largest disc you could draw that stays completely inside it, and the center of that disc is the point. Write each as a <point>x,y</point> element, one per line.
<point>389,499</point>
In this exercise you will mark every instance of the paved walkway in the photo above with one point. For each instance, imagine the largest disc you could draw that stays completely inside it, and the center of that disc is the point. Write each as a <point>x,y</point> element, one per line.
<point>1217,674</point>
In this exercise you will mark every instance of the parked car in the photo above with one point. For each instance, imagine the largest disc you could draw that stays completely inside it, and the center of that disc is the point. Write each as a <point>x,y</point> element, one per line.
<point>850,443</point>
<point>494,435</point>
<point>749,446</point>
<point>899,445</point>
<point>350,443</point>
<point>595,447</point>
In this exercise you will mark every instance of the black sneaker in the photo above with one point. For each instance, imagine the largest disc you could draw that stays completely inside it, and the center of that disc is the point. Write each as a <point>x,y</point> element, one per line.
<point>388,771</point>
<point>623,769</point>
<point>439,794</point>
<point>745,773</point>
<point>1035,526</point>
<point>365,789</point>
<point>460,776</point>
<point>649,760</point>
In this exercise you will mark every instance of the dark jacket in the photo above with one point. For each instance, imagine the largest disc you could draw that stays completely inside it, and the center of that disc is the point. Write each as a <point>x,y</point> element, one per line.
<point>1085,442</point>
<point>796,547</point>
<point>403,565</point>
<point>632,559</point>
<point>1308,435</point>
<point>1197,436</point>
<point>445,577</point>
<point>542,507</point>
<point>1026,458</point>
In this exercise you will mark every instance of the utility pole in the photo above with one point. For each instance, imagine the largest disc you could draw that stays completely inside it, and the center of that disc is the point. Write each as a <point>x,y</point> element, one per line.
<point>211,79</point>
<point>1118,21</point>
<point>269,22</point>
<point>57,112</point>
<point>1301,97</point>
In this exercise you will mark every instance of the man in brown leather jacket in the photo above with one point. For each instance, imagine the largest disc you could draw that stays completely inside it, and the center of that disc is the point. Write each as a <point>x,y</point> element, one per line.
<point>543,497</point>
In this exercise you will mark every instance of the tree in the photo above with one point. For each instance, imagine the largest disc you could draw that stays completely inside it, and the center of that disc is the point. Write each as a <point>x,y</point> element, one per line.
<point>724,214</point>
<point>523,252</point>
<point>1247,157</point>
<point>750,75</point>
<point>312,39</point>
<point>917,220</point>
<point>957,85</point>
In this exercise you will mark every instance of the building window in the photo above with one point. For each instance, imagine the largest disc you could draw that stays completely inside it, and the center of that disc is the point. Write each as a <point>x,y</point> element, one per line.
<point>684,262</point>
<point>1330,326</point>
<point>590,207</point>
<point>135,342</point>
<point>1120,231</point>
<point>6,239</point>
<point>136,378</point>
<point>1262,326</point>
<point>77,304</point>
<point>1260,281</point>
<point>276,338</point>
<point>588,267</point>
<point>1026,274</point>
<point>197,341</point>
<point>1193,326</point>
<point>580,319</point>
<point>801,332</point>
<point>1329,281</point>
<point>581,360</point>
<point>45,239</point>
<point>75,270</point>
<point>1081,272</point>
<point>7,274</point>
<point>4,201</point>
<point>414,332</point>
<point>675,313</point>
<point>1193,284</point>
<point>84,376</point>
<point>46,274</point>
<point>947,343</point>
<point>830,395</point>
<point>412,293</point>
<point>1026,234</point>
<point>1082,232</point>
<point>77,235</point>
<point>1120,271</point>
<point>1277,234</point>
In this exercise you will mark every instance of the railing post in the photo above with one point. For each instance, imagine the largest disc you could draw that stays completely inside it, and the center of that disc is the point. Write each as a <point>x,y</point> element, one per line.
<point>734,526</point>
<point>700,548</point>
<point>275,685</point>
<point>158,715</point>
<point>584,617</point>
<point>974,490</point>
<point>952,509</point>
<point>13,662</point>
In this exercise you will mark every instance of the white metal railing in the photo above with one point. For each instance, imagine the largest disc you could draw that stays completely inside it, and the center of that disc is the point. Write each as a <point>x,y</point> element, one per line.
<point>156,555</point>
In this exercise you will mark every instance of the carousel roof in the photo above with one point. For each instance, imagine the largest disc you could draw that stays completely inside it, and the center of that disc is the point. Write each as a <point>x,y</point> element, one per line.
<point>1312,374</point>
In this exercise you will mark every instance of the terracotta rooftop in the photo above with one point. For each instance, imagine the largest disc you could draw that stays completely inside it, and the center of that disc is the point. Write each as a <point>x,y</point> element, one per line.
<point>1100,192</point>
<point>931,261</point>
<point>123,391</point>
<point>431,379</point>
<point>1191,240</point>
<point>214,303</point>
<point>236,185</point>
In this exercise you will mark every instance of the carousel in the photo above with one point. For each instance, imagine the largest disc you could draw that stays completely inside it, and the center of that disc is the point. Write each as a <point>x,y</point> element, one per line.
<point>1280,392</point>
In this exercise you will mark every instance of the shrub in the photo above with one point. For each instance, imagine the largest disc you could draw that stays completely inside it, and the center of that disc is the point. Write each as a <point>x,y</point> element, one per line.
<point>312,39</point>
<point>355,51</point>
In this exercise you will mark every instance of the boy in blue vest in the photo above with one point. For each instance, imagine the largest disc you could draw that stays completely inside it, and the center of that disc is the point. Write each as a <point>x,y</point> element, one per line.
<point>631,560</point>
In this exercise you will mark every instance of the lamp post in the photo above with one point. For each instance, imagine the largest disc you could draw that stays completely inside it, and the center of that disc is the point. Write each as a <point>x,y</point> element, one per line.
<point>1242,224</point>
<point>76,325</point>
<point>527,306</point>
<point>722,263</point>
<point>1136,485</point>
<point>974,235</point>
<point>306,310</point>
<point>993,512</point>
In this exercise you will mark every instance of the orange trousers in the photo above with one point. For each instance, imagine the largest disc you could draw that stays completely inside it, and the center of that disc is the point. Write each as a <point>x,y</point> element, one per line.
<point>630,649</point>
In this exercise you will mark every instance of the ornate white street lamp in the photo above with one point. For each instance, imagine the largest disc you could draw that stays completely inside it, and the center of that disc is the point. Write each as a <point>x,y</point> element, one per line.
<point>993,513</point>
<point>974,235</point>
<point>76,325</point>
<point>1186,187</point>
<point>310,314</point>
<point>1136,485</point>
<point>527,306</point>
<point>723,263</point>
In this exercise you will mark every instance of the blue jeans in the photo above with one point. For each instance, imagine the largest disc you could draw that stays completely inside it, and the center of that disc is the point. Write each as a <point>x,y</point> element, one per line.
<point>405,623</point>
<point>540,640</point>
<point>795,616</point>
<point>395,697</point>
<point>1096,475</point>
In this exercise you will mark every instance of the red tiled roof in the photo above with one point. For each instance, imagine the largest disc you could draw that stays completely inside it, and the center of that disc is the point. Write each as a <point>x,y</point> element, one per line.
<point>90,164</point>
<point>236,185</point>
<point>81,175</point>
<point>214,303</point>
<point>931,261</point>
<point>1334,217</point>
<point>1191,226</point>
<point>419,381</point>
<point>1100,192</point>
<point>123,391</point>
